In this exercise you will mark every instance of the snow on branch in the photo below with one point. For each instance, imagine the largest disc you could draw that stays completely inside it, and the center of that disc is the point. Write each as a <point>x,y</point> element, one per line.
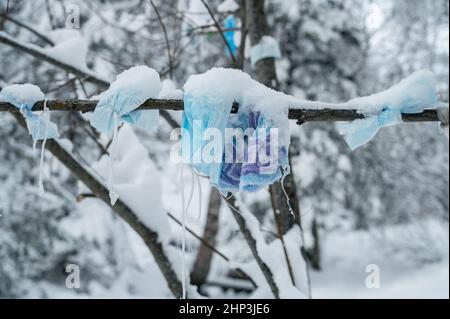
<point>83,74</point>
<point>307,111</point>
<point>39,53</point>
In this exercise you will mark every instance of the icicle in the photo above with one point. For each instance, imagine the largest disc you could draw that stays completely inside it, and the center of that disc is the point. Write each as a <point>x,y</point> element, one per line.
<point>46,115</point>
<point>36,140</point>
<point>191,193</point>
<point>288,202</point>
<point>195,181</point>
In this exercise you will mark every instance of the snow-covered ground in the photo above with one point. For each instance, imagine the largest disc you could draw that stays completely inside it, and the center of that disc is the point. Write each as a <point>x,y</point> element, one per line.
<point>427,282</point>
<point>344,274</point>
<point>347,257</point>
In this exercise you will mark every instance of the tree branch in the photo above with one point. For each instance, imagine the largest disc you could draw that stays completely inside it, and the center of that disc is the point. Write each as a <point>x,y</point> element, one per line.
<point>302,115</point>
<point>251,242</point>
<point>28,28</point>
<point>166,38</point>
<point>149,236</point>
<point>283,194</point>
<point>37,52</point>
<point>306,113</point>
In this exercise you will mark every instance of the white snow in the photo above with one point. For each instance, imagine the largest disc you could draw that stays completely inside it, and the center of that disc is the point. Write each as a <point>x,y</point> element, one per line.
<point>416,87</point>
<point>229,85</point>
<point>63,34</point>
<point>197,14</point>
<point>347,255</point>
<point>137,182</point>
<point>170,91</point>
<point>139,78</point>
<point>273,256</point>
<point>50,54</point>
<point>66,144</point>
<point>24,93</point>
<point>228,6</point>
<point>130,89</point>
<point>70,47</point>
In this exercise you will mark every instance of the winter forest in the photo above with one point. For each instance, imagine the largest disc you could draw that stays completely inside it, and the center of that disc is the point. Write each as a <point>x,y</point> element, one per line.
<point>340,108</point>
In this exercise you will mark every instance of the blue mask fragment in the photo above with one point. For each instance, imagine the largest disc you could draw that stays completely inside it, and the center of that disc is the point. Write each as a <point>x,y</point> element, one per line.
<point>24,96</point>
<point>230,25</point>
<point>203,115</point>
<point>412,95</point>
<point>118,104</point>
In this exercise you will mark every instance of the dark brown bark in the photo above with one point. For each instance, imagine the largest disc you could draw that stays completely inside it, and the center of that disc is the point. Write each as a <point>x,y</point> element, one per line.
<point>286,210</point>
<point>251,242</point>
<point>301,115</point>
<point>204,257</point>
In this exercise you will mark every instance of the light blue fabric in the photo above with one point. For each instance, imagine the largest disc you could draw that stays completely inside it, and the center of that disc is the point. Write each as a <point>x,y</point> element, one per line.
<point>230,24</point>
<point>37,125</point>
<point>267,48</point>
<point>413,95</point>
<point>202,113</point>
<point>118,105</point>
<point>250,175</point>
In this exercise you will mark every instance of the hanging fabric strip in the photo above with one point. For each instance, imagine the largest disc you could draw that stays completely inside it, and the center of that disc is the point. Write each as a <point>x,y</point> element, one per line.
<point>131,88</point>
<point>23,97</point>
<point>118,105</point>
<point>412,95</point>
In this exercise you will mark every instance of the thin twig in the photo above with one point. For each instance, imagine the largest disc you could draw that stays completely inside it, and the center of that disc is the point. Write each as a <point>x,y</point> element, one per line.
<point>252,244</point>
<point>219,28</point>
<point>166,38</point>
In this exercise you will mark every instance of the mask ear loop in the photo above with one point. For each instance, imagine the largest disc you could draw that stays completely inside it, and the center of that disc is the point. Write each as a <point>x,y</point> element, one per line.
<point>191,193</point>
<point>113,195</point>
<point>196,180</point>
<point>285,173</point>
<point>46,116</point>
<point>184,208</point>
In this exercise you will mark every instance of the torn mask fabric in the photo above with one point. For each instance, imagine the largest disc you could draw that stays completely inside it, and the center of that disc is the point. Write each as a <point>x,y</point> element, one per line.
<point>412,95</point>
<point>23,97</point>
<point>250,163</point>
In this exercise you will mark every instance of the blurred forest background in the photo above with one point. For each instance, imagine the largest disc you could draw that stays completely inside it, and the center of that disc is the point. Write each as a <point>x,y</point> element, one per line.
<point>386,203</point>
